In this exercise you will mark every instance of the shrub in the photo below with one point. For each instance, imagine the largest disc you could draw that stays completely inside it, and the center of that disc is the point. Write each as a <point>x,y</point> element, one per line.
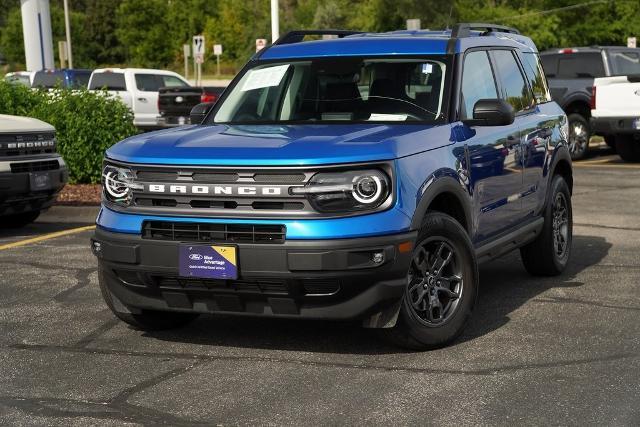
<point>86,122</point>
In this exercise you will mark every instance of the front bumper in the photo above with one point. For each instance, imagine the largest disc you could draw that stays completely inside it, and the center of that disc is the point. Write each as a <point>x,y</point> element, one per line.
<point>319,279</point>
<point>614,125</point>
<point>17,193</point>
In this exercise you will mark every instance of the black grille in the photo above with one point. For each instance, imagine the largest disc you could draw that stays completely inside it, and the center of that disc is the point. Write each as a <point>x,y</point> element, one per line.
<point>254,286</point>
<point>199,232</point>
<point>279,178</point>
<point>26,144</point>
<point>321,287</point>
<point>34,166</point>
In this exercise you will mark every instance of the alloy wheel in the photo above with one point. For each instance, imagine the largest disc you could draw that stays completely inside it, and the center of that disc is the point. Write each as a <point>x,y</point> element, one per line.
<point>578,138</point>
<point>560,225</point>
<point>435,282</point>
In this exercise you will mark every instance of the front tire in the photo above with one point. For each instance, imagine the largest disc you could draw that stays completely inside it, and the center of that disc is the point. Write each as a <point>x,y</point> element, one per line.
<point>146,320</point>
<point>628,148</point>
<point>442,286</point>
<point>579,135</point>
<point>20,220</point>
<point>549,254</point>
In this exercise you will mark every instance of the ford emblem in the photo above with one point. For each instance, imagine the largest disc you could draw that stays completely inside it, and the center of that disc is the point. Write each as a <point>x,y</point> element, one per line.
<point>195,257</point>
<point>179,99</point>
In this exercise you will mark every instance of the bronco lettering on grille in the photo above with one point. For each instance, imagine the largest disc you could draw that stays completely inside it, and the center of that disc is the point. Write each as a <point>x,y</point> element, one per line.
<point>229,190</point>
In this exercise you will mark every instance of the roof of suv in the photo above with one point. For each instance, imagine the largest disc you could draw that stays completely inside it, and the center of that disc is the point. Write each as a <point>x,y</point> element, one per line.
<point>418,42</point>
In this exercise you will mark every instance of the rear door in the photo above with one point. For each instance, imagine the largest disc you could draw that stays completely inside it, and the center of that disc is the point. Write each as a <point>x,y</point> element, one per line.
<point>145,96</point>
<point>114,83</point>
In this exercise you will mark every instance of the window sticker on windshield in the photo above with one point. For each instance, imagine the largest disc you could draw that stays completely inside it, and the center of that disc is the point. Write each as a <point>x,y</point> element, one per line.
<point>427,68</point>
<point>265,77</point>
<point>381,117</point>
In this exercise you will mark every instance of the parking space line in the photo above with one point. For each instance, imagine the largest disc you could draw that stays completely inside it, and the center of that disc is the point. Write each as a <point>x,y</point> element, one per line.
<point>605,165</point>
<point>46,237</point>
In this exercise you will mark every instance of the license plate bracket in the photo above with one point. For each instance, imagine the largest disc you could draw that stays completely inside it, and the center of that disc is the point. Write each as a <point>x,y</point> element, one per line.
<point>39,181</point>
<point>208,261</point>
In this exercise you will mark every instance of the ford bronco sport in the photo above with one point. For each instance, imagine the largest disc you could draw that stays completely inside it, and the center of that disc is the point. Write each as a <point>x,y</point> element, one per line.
<point>360,177</point>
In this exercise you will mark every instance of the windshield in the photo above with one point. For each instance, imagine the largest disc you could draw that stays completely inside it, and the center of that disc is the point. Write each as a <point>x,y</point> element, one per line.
<point>338,89</point>
<point>625,62</point>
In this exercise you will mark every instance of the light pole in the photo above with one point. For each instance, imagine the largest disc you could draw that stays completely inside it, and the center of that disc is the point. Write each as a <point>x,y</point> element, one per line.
<point>67,28</point>
<point>275,21</point>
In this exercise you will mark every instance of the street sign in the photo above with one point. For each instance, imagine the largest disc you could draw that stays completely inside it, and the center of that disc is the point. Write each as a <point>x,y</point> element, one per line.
<point>199,58</point>
<point>186,50</point>
<point>198,45</point>
<point>260,44</point>
<point>217,49</point>
<point>413,24</point>
<point>631,42</point>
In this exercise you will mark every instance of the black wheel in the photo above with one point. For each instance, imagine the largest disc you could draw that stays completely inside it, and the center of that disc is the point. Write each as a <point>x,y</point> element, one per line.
<point>628,148</point>
<point>611,141</point>
<point>548,255</point>
<point>579,134</point>
<point>18,221</point>
<point>442,286</point>
<point>147,320</point>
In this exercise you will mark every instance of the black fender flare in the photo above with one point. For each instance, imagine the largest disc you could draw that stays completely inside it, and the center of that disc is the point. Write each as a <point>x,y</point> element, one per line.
<point>561,153</point>
<point>440,185</point>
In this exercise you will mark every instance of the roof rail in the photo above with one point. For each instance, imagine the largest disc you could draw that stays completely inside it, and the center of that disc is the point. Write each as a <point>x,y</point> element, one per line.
<point>297,36</point>
<point>464,29</point>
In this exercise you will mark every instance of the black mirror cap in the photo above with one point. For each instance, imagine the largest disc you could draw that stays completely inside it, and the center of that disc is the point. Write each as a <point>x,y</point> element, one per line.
<point>199,112</point>
<point>492,112</point>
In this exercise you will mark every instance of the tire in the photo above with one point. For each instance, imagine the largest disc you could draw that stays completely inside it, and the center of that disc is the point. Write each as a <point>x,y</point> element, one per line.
<point>579,135</point>
<point>543,256</point>
<point>628,148</point>
<point>146,320</point>
<point>440,237</point>
<point>611,141</point>
<point>19,221</point>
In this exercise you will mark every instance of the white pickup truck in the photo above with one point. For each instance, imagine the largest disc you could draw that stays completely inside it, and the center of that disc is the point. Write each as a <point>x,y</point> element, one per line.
<point>615,113</point>
<point>138,89</point>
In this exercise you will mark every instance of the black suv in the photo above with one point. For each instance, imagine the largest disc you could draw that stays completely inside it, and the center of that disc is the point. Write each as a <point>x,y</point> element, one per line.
<point>570,73</point>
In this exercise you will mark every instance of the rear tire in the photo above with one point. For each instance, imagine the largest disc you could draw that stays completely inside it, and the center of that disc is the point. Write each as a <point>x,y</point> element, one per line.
<point>442,286</point>
<point>579,135</point>
<point>628,148</point>
<point>146,320</point>
<point>549,254</point>
<point>20,220</point>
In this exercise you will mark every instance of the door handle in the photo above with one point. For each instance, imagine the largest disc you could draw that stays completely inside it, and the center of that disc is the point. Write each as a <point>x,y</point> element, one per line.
<point>142,99</point>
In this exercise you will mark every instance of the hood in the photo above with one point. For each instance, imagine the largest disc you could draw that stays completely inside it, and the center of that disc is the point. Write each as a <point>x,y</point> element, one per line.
<point>15,124</point>
<point>277,145</point>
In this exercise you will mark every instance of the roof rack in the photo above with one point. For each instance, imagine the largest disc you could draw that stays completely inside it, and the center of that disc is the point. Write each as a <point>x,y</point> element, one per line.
<point>297,36</point>
<point>464,29</point>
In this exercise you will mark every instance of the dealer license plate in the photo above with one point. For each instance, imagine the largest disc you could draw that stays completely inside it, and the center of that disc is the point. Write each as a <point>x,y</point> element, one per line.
<point>39,181</point>
<point>208,261</point>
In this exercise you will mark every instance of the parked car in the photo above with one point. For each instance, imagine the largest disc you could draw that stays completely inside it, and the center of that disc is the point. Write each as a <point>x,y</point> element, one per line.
<point>20,77</point>
<point>138,88</point>
<point>616,113</point>
<point>571,71</point>
<point>175,103</point>
<point>361,177</point>
<point>66,78</point>
<point>31,171</point>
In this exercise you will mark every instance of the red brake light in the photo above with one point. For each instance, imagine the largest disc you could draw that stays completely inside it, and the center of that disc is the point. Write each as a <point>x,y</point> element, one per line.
<point>592,102</point>
<point>208,97</point>
<point>568,50</point>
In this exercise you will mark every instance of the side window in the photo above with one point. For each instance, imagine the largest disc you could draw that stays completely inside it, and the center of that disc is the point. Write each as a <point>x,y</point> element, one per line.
<point>172,81</point>
<point>535,75</point>
<point>514,87</point>
<point>477,82</point>
<point>148,82</point>
<point>580,65</point>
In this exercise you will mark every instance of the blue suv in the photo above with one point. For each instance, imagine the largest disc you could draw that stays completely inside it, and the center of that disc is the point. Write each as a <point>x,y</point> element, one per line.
<point>363,176</point>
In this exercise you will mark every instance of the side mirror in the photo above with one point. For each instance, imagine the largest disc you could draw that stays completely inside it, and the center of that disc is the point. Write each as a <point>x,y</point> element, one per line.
<point>491,112</point>
<point>199,112</point>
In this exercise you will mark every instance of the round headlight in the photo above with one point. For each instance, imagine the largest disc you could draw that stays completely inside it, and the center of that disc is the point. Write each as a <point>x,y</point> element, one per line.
<point>367,189</point>
<point>118,184</point>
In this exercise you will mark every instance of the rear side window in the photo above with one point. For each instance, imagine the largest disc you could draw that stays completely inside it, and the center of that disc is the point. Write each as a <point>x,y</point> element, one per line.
<point>153,82</point>
<point>81,79</point>
<point>513,86</point>
<point>108,81</point>
<point>47,79</point>
<point>477,82</point>
<point>550,65</point>
<point>624,63</point>
<point>535,75</point>
<point>580,65</point>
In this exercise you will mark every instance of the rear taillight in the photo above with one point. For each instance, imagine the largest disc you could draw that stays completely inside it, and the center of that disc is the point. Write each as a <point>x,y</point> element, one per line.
<point>208,97</point>
<point>593,98</point>
<point>568,50</point>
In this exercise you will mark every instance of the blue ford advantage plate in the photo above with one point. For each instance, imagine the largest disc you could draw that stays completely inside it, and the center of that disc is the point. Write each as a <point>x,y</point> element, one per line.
<point>209,262</point>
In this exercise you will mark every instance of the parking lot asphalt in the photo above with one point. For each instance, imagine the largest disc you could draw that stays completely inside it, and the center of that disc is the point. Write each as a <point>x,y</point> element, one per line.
<point>563,350</point>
